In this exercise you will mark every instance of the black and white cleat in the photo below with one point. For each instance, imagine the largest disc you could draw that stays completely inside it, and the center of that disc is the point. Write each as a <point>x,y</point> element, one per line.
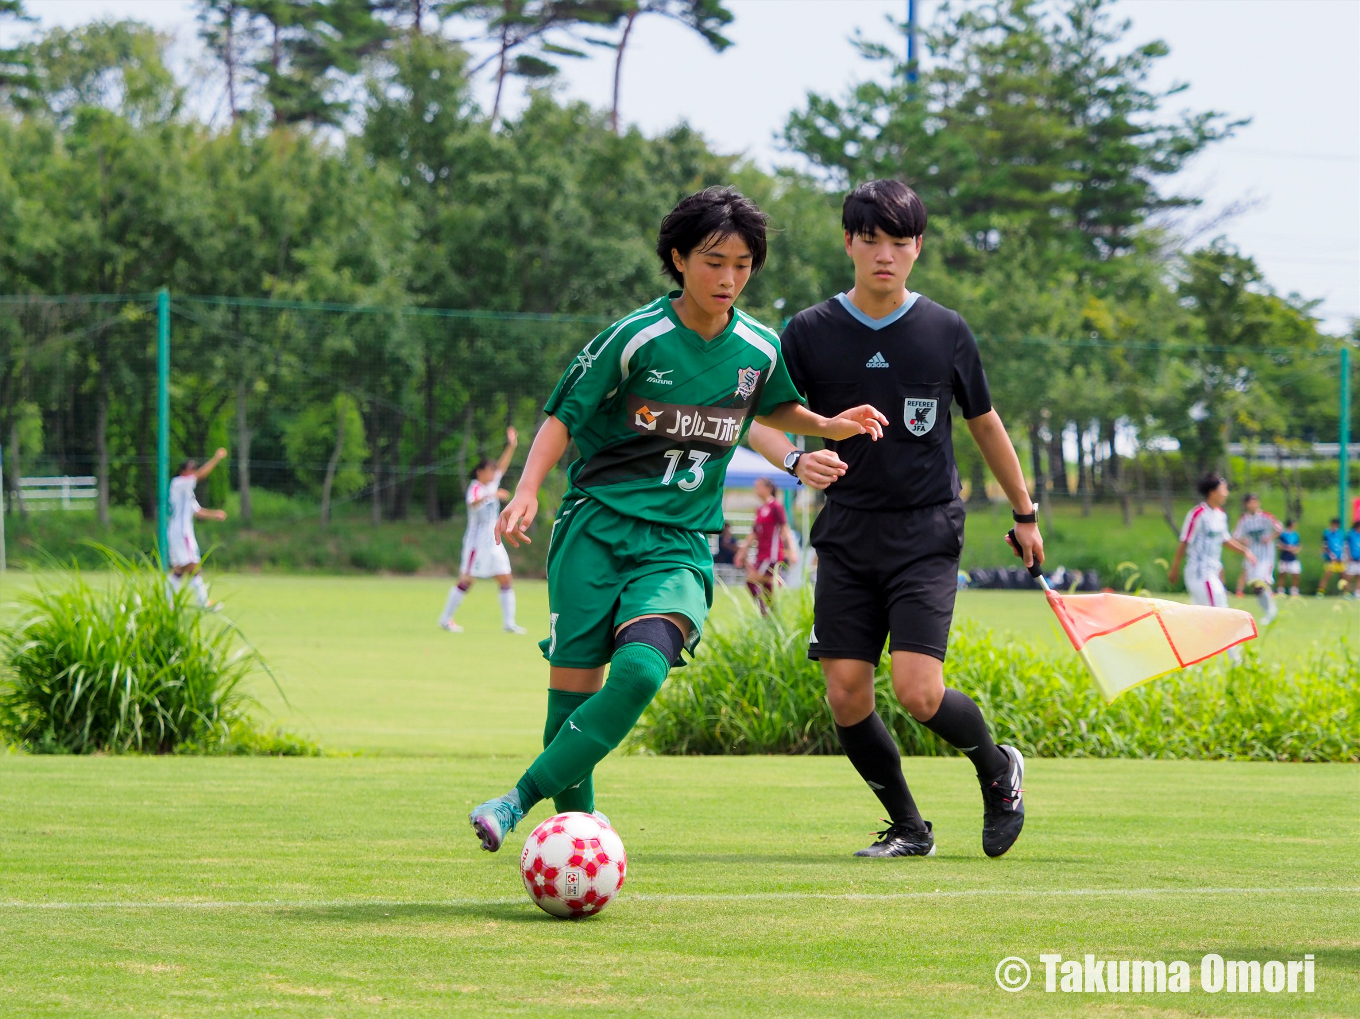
<point>899,840</point>
<point>1003,806</point>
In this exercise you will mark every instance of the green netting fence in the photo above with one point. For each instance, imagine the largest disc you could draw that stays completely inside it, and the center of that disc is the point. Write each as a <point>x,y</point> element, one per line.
<point>352,430</point>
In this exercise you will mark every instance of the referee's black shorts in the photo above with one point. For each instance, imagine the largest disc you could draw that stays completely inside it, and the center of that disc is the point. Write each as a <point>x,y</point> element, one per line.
<point>885,572</point>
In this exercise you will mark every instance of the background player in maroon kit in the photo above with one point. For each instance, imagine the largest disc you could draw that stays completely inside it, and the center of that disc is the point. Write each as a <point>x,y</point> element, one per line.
<point>774,545</point>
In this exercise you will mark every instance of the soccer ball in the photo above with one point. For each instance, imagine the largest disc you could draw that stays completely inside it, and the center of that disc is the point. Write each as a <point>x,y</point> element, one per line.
<point>573,865</point>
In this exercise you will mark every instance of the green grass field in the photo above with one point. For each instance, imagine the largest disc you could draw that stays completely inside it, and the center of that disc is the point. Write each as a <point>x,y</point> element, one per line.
<point>350,886</point>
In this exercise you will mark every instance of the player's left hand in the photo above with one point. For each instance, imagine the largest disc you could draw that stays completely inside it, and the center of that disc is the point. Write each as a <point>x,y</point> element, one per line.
<point>861,420</point>
<point>512,436</point>
<point>1249,557</point>
<point>1031,548</point>
<point>219,515</point>
<point>221,453</point>
<point>513,523</point>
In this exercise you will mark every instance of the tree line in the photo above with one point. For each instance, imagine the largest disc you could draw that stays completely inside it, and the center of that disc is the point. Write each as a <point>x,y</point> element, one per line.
<point>355,170</point>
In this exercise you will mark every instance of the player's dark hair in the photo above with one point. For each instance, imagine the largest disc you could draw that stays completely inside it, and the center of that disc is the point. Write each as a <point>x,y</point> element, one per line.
<point>707,218</point>
<point>1208,483</point>
<point>189,465</point>
<point>1288,521</point>
<point>1248,497</point>
<point>887,205</point>
<point>1336,520</point>
<point>482,465</point>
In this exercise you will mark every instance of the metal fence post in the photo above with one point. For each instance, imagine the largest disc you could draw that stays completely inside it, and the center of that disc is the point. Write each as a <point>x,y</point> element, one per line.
<point>2,508</point>
<point>1343,474</point>
<point>162,423</point>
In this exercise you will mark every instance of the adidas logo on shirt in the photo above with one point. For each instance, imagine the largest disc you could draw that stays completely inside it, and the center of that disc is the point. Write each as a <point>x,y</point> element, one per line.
<point>877,361</point>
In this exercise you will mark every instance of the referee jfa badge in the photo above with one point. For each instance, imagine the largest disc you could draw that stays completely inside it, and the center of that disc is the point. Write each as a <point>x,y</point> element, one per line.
<point>919,415</point>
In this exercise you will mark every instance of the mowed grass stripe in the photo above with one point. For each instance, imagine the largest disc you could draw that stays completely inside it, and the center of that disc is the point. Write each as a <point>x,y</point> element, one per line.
<point>959,893</point>
<point>351,887</point>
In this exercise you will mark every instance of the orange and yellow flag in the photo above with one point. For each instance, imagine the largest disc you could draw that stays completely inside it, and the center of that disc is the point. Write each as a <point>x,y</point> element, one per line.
<point>1126,639</point>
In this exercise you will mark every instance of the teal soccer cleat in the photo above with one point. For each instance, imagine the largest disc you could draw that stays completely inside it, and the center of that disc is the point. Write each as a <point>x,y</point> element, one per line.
<point>495,819</point>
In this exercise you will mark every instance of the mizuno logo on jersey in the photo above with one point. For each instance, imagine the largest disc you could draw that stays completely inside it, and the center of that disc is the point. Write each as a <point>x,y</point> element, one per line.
<point>659,377</point>
<point>877,361</point>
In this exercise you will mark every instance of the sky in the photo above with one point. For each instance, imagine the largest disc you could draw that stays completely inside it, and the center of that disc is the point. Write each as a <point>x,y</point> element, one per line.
<point>1292,66</point>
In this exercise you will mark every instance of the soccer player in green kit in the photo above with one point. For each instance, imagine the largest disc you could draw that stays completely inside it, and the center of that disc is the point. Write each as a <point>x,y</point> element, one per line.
<point>656,404</point>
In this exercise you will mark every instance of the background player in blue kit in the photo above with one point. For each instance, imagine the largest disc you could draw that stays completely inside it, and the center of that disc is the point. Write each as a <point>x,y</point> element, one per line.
<point>1333,552</point>
<point>1353,559</point>
<point>1290,565</point>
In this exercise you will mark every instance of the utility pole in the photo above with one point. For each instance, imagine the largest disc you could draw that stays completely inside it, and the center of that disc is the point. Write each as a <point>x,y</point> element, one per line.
<point>911,41</point>
<point>1343,474</point>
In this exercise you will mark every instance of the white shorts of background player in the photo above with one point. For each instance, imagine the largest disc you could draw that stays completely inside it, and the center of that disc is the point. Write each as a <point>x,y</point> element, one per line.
<point>1291,566</point>
<point>484,560</point>
<point>183,551</point>
<point>1206,590</point>
<point>1352,568</point>
<point>1262,570</point>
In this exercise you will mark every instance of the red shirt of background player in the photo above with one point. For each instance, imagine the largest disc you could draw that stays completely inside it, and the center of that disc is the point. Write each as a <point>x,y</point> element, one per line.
<point>768,529</point>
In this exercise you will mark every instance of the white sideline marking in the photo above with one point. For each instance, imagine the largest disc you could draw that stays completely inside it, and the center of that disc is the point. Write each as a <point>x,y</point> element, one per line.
<point>1051,893</point>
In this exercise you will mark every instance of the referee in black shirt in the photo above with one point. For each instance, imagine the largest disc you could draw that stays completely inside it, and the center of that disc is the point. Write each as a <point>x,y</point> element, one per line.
<point>889,538</point>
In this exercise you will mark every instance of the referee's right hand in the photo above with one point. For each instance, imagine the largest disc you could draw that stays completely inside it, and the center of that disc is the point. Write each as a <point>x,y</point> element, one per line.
<point>820,468</point>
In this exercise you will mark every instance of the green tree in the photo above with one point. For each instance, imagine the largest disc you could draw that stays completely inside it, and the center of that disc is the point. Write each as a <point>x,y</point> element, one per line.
<point>1252,363</point>
<point>706,17</point>
<point>539,25</point>
<point>1031,121</point>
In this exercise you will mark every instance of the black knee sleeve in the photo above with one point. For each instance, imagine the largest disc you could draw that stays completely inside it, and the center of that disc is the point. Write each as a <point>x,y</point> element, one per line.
<point>654,631</point>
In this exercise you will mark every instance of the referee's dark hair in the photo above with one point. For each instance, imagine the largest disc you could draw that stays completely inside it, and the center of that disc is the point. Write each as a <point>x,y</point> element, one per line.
<point>708,218</point>
<point>1208,483</point>
<point>887,205</point>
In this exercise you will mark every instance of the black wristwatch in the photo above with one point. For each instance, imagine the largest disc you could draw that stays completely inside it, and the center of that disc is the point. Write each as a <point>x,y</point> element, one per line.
<point>791,462</point>
<point>1032,517</point>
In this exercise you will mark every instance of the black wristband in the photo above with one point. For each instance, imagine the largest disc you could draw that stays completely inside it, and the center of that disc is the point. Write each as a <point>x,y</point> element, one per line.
<point>793,469</point>
<point>1032,517</point>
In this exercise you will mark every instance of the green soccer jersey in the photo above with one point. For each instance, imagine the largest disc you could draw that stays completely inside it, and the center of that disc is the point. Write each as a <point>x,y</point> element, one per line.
<point>657,411</point>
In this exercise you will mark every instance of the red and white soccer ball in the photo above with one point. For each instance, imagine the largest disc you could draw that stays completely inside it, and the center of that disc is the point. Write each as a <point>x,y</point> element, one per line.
<point>573,865</point>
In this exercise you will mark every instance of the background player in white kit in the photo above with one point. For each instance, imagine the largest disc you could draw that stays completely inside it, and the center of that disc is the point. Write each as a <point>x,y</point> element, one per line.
<point>1201,546</point>
<point>1258,530</point>
<point>184,510</point>
<point>482,555</point>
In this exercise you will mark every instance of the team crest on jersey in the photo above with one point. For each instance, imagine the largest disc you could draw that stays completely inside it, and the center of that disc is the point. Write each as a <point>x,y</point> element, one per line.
<point>747,379</point>
<point>647,418</point>
<point>919,415</point>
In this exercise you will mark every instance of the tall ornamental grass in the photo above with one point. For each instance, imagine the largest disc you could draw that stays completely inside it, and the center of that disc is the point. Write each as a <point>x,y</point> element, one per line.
<point>118,666</point>
<point>752,690</point>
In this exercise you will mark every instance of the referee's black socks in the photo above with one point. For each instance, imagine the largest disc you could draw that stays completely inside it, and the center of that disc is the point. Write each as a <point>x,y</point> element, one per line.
<point>873,751</point>
<point>959,722</point>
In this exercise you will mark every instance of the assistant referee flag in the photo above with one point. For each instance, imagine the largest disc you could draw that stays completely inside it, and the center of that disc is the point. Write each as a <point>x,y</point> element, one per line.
<point>1126,639</point>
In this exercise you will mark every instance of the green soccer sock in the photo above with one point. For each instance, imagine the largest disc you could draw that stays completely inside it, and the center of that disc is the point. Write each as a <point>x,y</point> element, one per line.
<point>561,703</point>
<point>636,673</point>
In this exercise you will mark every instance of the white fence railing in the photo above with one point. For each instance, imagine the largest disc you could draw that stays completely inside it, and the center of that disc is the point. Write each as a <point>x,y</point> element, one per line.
<point>68,493</point>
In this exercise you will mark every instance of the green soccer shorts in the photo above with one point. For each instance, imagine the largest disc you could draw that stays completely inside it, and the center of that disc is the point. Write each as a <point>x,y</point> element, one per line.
<point>605,569</point>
